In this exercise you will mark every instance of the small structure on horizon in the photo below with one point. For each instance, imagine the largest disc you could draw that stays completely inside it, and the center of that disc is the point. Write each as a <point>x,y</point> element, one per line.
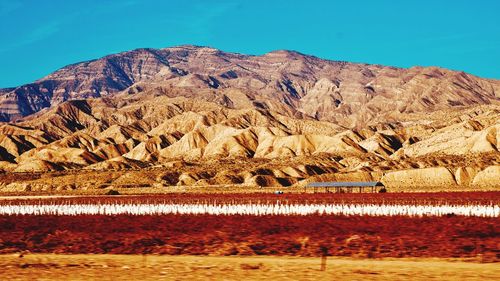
<point>346,186</point>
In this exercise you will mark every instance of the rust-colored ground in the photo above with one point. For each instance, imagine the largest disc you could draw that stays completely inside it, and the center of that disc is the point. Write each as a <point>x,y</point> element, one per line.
<point>357,236</point>
<point>147,267</point>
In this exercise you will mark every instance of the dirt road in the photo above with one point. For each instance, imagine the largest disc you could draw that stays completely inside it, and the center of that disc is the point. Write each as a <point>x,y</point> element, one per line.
<point>149,267</point>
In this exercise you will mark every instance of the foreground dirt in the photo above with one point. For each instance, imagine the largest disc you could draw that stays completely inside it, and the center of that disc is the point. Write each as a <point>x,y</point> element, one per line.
<point>363,237</point>
<point>147,267</point>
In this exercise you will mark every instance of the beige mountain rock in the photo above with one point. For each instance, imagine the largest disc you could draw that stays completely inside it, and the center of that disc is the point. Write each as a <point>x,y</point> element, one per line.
<point>465,175</point>
<point>438,176</point>
<point>197,115</point>
<point>488,177</point>
<point>339,177</point>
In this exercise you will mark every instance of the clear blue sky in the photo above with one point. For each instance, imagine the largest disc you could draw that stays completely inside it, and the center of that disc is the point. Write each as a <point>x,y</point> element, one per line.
<point>38,37</point>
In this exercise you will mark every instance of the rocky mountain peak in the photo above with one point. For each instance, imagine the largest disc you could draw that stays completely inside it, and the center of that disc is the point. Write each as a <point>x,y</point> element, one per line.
<point>281,80</point>
<point>202,114</point>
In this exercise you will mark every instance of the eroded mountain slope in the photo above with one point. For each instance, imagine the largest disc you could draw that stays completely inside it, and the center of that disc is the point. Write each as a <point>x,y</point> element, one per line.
<point>281,119</point>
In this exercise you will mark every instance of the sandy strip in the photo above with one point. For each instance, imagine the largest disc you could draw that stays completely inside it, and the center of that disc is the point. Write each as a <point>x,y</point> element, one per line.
<point>148,267</point>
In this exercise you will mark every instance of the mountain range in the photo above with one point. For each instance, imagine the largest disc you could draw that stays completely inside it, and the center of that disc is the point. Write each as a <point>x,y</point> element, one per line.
<point>200,116</point>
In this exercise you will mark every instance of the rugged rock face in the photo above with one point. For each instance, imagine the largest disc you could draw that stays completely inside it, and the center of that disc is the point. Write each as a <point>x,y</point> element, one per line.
<point>438,176</point>
<point>346,93</point>
<point>277,119</point>
<point>488,176</point>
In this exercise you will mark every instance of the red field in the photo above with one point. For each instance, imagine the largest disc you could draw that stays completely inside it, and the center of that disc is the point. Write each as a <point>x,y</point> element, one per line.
<point>313,235</point>
<point>250,235</point>
<point>437,198</point>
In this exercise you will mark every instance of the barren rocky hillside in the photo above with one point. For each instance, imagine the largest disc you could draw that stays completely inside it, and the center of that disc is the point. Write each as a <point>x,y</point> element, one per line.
<point>199,116</point>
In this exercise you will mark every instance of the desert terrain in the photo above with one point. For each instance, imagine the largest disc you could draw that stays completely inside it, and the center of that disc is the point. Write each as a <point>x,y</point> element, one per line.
<point>153,267</point>
<point>190,162</point>
<point>193,116</point>
<point>254,247</point>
